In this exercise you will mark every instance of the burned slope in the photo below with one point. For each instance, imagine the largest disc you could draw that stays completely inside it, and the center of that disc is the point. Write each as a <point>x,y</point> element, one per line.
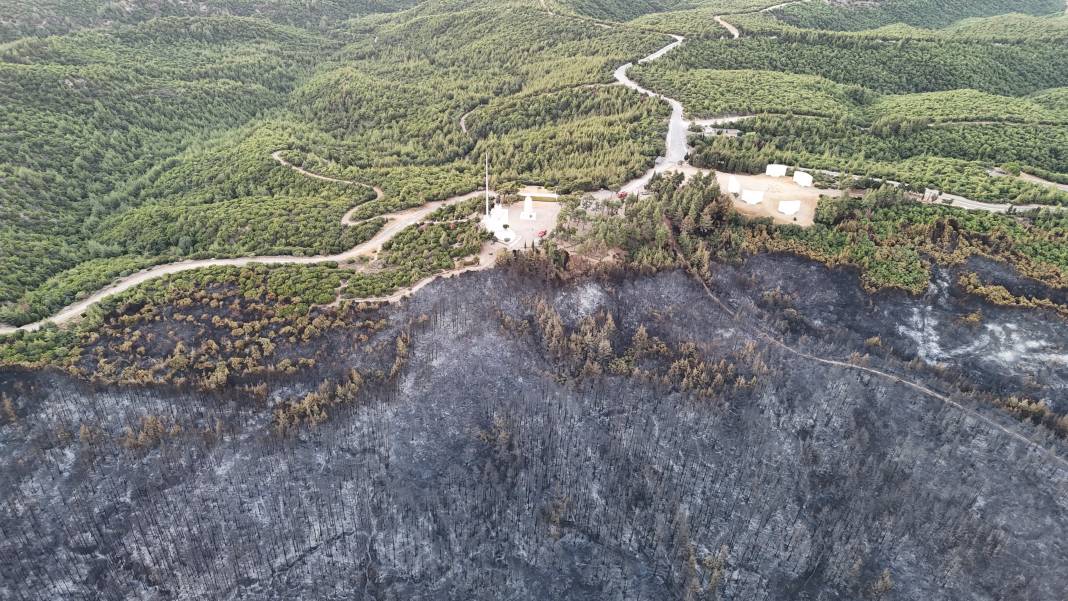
<point>624,438</point>
<point>946,333</point>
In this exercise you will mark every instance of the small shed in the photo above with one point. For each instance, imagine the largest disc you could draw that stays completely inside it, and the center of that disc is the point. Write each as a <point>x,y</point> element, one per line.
<point>790,207</point>
<point>803,179</point>
<point>752,197</point>
<point>775,170</point>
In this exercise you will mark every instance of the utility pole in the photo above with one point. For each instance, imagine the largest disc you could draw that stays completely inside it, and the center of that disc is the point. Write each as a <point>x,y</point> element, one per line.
<point>487,186</point>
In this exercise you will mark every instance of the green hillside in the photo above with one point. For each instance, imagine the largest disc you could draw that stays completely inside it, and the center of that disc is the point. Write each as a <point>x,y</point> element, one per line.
<point>921,13</point>
<point>25,18</point>
<point>161,132</point>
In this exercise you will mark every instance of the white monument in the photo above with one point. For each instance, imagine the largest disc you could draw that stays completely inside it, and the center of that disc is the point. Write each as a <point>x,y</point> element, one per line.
<point>733,185</point>
<point>752,197</point>
<point>790,207</point>
<point>776,170</point>
<point>529,193</point>
<point>803,179</point>
<point>528,209</point>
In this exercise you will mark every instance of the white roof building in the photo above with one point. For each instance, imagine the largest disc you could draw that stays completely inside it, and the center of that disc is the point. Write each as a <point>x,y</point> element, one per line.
<point>752,197</point>
<point>789,207</point>
<point>775,170</point>
<point>803,179</point>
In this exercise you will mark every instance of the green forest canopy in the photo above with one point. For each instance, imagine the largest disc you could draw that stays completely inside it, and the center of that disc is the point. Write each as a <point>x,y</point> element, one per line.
<point>23,18</point>
<point>144,132</point>
<point>938,108</point>
<point>161,132</point>
<point>921,13</point>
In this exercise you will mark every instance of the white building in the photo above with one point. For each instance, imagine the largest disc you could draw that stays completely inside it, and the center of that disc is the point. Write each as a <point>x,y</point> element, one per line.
<point>776,170</point>
<point>496,218</point>
<point>803,179</point>
<point>789,207</point>
<point>752,197</point>
<point>734,186</point>
<point>496,221</point>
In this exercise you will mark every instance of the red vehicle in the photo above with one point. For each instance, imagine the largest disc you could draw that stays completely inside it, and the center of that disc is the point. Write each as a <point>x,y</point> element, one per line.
<point>542,233</point>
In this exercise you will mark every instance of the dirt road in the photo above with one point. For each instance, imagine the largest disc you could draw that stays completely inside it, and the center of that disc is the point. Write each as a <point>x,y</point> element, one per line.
<point>676,145</point>
<point>346,219</point>
<point>731,28</point>
<point>774,340</point>
<point>397,222</point>
<point>463,121</point>
<point>1034,179</point>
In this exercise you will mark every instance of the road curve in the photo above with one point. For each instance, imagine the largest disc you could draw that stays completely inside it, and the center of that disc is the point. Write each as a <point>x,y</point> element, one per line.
<point>730,28</point>
<point>277,156</point>
<point>397,222</point>
<point>346,219</point>
<point>463,121</point>
<point>676,141</point>
<point>768,9</point>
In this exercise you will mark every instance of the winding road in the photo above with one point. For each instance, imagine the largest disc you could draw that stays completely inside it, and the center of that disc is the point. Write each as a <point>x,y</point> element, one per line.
<point>676,155</point>
<point>676,149</point>
<point>346,219</point>
<point>676,141</point>
<point>678,129</point>
<point>397,221</point>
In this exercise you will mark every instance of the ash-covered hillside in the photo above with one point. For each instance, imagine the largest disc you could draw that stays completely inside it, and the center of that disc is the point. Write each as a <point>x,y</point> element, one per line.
<point>621,437</point>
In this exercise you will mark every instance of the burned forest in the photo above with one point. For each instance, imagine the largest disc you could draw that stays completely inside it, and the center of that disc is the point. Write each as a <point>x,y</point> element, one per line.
<point>613,436</point>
